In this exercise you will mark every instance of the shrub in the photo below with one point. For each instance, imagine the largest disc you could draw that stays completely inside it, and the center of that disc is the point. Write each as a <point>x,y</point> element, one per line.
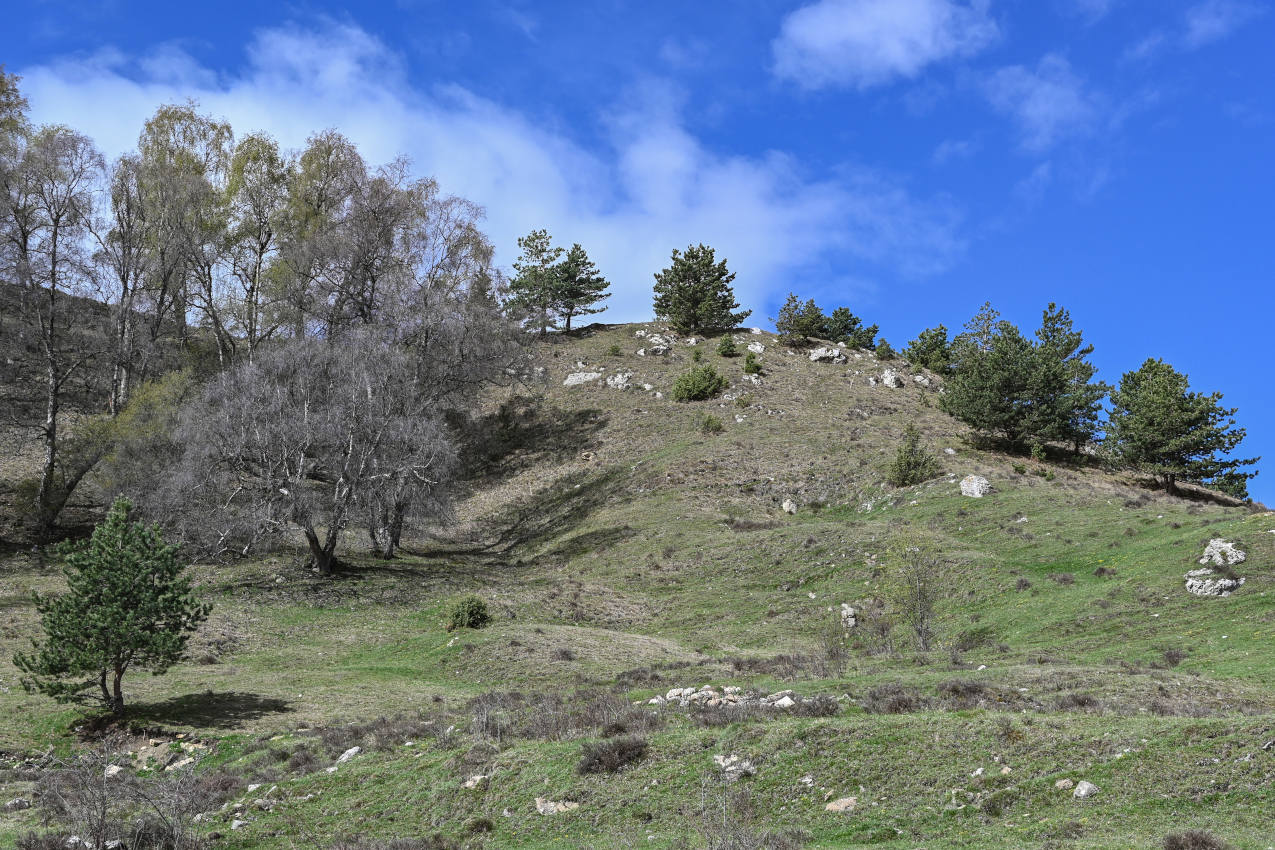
<point>727,347</point>
<point>893,698</point>
<point>613,351</point>
<point>1194,839</point>
<point>701,382</point>
<point>752,366</point>
<point>912,464</point>
<point>470,613</point>
<point>885,351</point>
<point>611,756</point>
<point>697,355</point>
<point>710,424</point>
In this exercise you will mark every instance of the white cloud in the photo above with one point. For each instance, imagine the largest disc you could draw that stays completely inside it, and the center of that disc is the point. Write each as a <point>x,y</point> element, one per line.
<point>1091,10</point>
<point>1213,20</point>
<point>1048,103</point>
<point>950,149</point>
<point>864,43</point>
<point>652,187</point>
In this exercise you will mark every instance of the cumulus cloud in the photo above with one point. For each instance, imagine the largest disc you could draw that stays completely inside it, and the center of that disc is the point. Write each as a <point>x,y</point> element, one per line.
<point>1048,102</point>
<point>651,187</point>
<point>1213,20</point>
<point>865,43</point>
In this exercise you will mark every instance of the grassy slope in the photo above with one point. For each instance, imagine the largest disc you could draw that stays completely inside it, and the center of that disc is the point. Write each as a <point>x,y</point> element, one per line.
<point>604,529</point>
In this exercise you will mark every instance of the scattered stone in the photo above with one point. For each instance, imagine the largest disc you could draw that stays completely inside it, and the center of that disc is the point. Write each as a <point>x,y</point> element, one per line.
<point>1206,582</point>
<point>112,771</point>
<point>784,702</point>
<point>1222,553</point>
<point>756,348</point>
<point>975,486</point>
<point>1084,790</point>
<point>477,782</point>
<point>892,379</point>
<point>619,381</point>
<point>348,754</point>
<point>848,615</point>
<point>845,804</point>
<point>949,451</point>
<point>238,824</point>
<point>17,804</point>
<point>824,354</point>
<point>922,380</point>
<point>789,506</point>
<point>733,767</point>
<point>555,807</point>
<point>575,379</point>
<point>754,331</point>
<point>1063,784</point>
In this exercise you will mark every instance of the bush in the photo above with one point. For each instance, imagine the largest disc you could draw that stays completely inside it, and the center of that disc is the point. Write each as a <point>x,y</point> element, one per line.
<point>1194,839</point>
<point>893,698</point>
<point>613,351</point>
<point>611,756</point>
<point>752,366</point>
<point>727,347</point>
<point>885,351</point>
<point>912,464</point>
<point>470,613</point>
<point>697,355</point>
<point>710,424</point>
<point>701,382</point>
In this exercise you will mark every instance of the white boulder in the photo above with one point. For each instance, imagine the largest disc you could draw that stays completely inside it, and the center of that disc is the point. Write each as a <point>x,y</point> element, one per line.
<point>575,379</point>
<point>892,379</point>
<point>1222,553</point>
<point>756,348</point>
<point>975,486</point>
<point>824,354</point>
<point>1084,790</point>
<point>789,506</point>
<point>1206,582</point>
<point>619,381</point>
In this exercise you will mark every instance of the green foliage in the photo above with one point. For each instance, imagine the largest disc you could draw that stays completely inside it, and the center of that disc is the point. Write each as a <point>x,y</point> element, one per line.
<point>697,384</point>
<point>931,349</point>
<point>537,280</point>
<point>697,355</point>
<point>915,585</point>
<point>885,351</point>
<point>726,347</point>
<point>694,292</point>
<point>845,327</point>
<point>1160,427</point>
<point>710,424</point>
<point>127,605</point>
<point>579,286</point>
<point>912,463</point>
<point>797,323</point>
<point>470,612</point>
<point>1025,392</point>
<point>614,351</point>
<point>752,365</point>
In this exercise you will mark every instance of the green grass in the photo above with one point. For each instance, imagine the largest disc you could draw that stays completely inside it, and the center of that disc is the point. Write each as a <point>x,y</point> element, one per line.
<point>666,552</point>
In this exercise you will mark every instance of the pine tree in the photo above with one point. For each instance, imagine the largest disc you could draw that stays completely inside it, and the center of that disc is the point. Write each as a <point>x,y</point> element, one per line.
<point>912,463</point>
<point>580,286</point>
<point>127,605</point>
<point>1065,402</point>
<point>1160,427</point>
<point>538,282</point>
<point>797,322</point>
<point>990,387</point>
<point>845,327</point>
<point>694,293</point>
<point>931,349</point>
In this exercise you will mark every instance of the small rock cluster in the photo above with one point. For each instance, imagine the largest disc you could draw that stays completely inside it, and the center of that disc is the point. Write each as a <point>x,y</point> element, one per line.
<point>1209,582</point>
<point>733,767</point>
<point>729,695</point>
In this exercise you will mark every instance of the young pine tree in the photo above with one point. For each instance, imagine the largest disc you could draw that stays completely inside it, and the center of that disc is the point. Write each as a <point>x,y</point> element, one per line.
<point>1065,402</point>
<point>912,463</point>
<point>1159,426</point>
<point>537,284</point>
<point>127,605</point>
<point>694,292</point>
<point>931,349</point>
<point>845,327</point>
<point>580,286</point>
<point>798,322</point>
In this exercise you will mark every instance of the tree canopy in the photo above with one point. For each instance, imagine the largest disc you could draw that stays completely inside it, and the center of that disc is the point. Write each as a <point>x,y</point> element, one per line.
<point>694,293</point>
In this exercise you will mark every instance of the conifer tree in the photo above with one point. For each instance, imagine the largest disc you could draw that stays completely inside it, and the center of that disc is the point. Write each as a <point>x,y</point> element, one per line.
<point>797,322</point>
<point>989,389</point>
<point>845,327</point>
<point>694,292</point>
<point>580,286</point>
<point>931,349</point>
<point>127,605</point>
<point>1065,401</point>
<point>1160,427</point>
<point>537,283</point>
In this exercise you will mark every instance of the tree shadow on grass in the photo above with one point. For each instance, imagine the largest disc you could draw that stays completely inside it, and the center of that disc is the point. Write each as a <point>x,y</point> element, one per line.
<point>213,709</point>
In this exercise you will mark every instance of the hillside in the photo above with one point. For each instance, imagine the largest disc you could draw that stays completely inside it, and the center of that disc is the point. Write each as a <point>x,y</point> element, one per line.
<point>625,552</point>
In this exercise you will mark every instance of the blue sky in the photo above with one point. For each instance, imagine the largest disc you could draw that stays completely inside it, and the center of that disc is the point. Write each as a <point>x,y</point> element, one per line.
<point>908,158</point>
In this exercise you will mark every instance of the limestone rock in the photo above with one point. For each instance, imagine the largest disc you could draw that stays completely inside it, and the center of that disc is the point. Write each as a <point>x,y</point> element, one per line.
<point>575,379</point>
<point>1222,553</point>
<point>975,486</point>
<point>784,702</point>
<point>845,804</point>
<point>892,379</point>
<point>348,754</point>
<point>756,348</point>
<point>619,381</point>
<point>824,354</point>
<point>1084,790</point>
<point>789,506</point>
<point>477,782</point>
<point>848,615</point>
<point>733,767</point>
<point>112,771</point>
<point>1206,582</point>
<point>922,380</point>
<point>17,804</point>
<point>1063,784</point>
<point>555,807</point>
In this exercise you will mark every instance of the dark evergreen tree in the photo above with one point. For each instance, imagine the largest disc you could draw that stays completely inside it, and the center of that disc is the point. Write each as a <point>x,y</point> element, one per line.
<point>845,327</point>
<point>931,349</point>
<point>127,605</point>
<point>989,389</point>
<point>1065,402</point>
<point>579,286</point>
<point>1160,427</point>
<point>694,292</point>
<point>912,463</point>
<point>798,322</point>
<point>538,280</point>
